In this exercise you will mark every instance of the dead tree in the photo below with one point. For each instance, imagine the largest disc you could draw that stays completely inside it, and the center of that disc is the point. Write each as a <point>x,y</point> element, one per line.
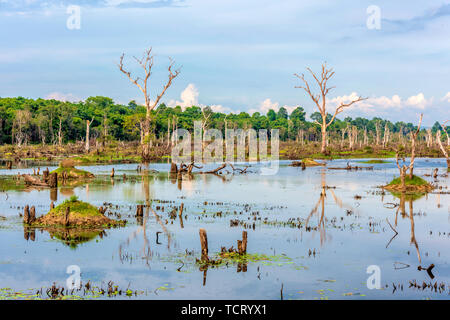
<point>378,130</point>
<point>438,138</point>
<point>386,136</point>
<point>404,169</point>
<point>88,126</point>
<point>444,127</point>
<point>320,99</point>
<point>147,63</point>
<point>429,138</point>
<point>413,147</point>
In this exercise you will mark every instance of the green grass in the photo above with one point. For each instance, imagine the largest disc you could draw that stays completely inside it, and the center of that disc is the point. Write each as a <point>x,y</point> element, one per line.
<point>77,208</point>
<point>73,172</point>
<point>415,181</point>
<point>374,161</point>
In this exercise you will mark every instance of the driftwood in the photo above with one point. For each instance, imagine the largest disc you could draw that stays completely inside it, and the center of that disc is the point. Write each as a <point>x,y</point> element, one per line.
<point>242,171</point>
<point>215,170</point>
<point>29,180</point>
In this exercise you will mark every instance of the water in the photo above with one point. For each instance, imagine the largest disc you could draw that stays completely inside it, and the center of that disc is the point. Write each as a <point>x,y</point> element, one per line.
<point>313,254</point>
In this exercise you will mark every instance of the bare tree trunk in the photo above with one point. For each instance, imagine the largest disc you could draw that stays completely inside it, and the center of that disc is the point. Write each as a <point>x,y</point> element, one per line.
<point>324,138</point>
<point>366,139</point>
<point>378,130</point>
<point>429,138</point>
<point>60,132</point>
<point>438,138</point>
<point>168,132</point>
<point>88,125</point>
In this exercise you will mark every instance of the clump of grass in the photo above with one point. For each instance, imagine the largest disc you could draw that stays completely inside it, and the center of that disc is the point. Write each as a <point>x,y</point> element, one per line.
<point>415,181</point>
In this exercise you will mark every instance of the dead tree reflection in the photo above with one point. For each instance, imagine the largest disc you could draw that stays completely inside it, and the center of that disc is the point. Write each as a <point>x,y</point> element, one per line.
<point>321,227</point>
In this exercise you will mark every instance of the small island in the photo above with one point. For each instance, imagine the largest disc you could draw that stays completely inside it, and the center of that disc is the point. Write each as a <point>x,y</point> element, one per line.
<point>75,213</point>
<point>67,170</point>
<point>415,184</point>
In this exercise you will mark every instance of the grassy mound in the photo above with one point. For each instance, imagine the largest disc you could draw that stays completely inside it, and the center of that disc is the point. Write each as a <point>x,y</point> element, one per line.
<point>416,184</point>
<point>72,173</point>
<point>81,214</point>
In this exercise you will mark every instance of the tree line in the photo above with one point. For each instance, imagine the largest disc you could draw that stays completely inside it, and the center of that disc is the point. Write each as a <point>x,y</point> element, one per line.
<point>40,121</point>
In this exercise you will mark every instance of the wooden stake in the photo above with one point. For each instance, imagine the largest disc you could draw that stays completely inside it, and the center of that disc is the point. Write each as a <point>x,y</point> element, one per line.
<point>204,244</point>
<point>32,216</point>
<point>53,181</point>
<point>244,242</point>
<point>26,214</point>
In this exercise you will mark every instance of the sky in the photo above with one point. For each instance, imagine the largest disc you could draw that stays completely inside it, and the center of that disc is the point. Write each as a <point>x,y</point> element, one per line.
<point>234,55</point>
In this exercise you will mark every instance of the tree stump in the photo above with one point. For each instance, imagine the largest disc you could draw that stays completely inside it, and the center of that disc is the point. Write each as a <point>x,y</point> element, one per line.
<point>52,205</point>
<point>32,215</point>
<point>53,180</point>
<point>66,217</point>
<point>112,173</point>
<point>140,210</point>
<point>9,165</point>
<point>244,242</point>
<point>45,174</point>
<point>204,244</point>
<point>173,168</point>
<point>26,214</point>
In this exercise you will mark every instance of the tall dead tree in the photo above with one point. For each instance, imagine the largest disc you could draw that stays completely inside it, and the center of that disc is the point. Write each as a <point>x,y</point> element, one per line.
<point>378,130</point>
<point>429,138</point>
<point>88,127</point>
<point>444,127</point>
<point>404,169</point>
<point>146,63</point>
<point>320,99</point>
<point>438,139</point>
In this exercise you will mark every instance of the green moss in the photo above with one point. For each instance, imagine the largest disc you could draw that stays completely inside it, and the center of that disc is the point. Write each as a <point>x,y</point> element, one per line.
<point>415,181</point>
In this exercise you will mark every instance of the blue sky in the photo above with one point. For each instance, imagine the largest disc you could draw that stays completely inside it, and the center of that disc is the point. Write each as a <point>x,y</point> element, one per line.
<point>235,55</point>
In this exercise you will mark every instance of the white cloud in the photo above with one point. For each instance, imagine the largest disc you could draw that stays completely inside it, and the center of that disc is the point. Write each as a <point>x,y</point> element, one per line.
<point>374,104</point>
<point>267,105</point>
<point>63,97</point>
<point>446,97</point>
<point>189,97</point>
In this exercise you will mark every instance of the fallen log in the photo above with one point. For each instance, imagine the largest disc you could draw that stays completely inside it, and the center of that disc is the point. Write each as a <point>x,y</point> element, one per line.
<point>215,170</point>
<point>29,180</point>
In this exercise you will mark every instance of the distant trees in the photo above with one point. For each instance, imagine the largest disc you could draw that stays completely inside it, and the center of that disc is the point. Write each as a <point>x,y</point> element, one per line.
<point>320,99</point>
<point>26,121</point>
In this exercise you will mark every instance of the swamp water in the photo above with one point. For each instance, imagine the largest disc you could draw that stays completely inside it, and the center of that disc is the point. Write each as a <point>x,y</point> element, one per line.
<point>312,234</point>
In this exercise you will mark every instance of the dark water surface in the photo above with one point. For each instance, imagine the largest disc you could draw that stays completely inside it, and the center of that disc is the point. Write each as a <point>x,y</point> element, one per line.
<point>319,228</point>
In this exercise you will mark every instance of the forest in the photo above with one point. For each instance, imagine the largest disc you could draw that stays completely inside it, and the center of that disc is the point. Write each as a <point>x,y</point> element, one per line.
<point>26,121</point>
